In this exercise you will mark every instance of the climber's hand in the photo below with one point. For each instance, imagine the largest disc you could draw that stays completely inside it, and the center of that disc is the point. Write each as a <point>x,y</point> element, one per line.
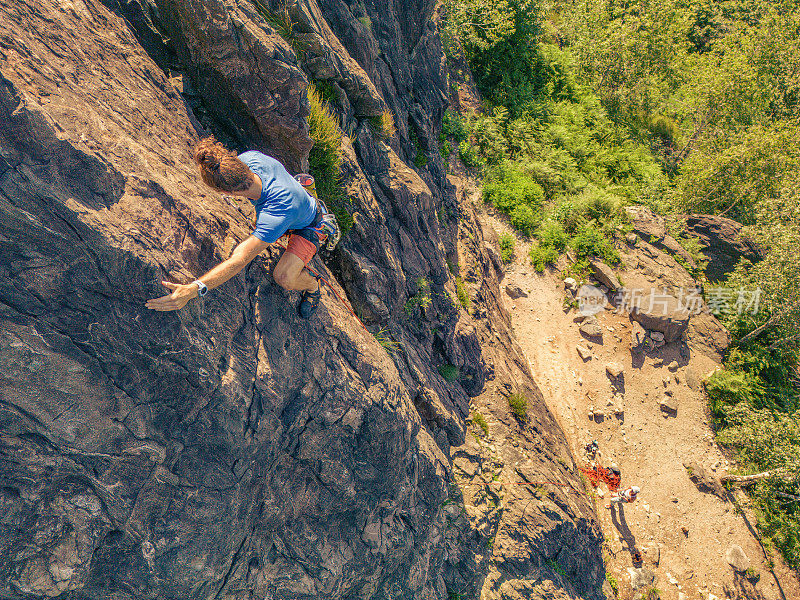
<point>181,294</point>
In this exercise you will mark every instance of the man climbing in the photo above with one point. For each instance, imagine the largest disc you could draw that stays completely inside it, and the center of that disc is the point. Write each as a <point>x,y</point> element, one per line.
<point>629,495</point>
<point>281,204</point>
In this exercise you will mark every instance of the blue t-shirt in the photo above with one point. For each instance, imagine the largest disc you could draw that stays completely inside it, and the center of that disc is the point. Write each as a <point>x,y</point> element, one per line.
<point>284,203</point>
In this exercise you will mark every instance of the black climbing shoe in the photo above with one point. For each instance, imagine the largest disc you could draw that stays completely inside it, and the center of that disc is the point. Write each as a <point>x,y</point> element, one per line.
<point>308,304</point>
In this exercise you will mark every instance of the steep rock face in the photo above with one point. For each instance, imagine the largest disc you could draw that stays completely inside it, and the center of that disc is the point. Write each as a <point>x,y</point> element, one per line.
<point>230,56</point>
<point>232,450</point>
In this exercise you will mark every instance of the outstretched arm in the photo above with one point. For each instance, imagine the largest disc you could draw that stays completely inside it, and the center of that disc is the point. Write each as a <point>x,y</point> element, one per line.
<point>181,294</point>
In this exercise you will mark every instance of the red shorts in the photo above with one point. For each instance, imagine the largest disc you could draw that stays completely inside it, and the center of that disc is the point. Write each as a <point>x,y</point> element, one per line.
<point>303,248</point>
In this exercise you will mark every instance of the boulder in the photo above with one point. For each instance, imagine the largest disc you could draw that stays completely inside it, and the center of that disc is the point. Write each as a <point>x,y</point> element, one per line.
<point>669,404</point>
<point>514,291</point>
<point>704,479</point>
<point>584,352</point>
<point>591,329</point>
<point>737,558</point>
<point>652,228</point>
<point>605,274</point>
<point>641,577</point>
<point>723,243</point>
<point>614,370</point>
<point>661,312</point>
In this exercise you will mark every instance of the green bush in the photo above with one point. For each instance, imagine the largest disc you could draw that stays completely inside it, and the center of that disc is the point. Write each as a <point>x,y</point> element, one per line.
<point>612,581</point>
<point>589,242</point>
<point>541,256</point>
<point>469,155</point>
<point>383,125</point>
<point>519,405</point>
<point>421,299</point>
<point>507,245</point>
<point>524,218</point>
<point>383,336</point>
<point>453,125</point>
<point>726,387</point>
<point>552,235</point>
<point>518,196</point>
<point>480,421</point>
<point>449,372</point>
<point>446,149</point>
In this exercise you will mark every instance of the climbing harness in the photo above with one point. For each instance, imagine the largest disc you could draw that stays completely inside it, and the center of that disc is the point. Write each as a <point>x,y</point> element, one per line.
<point>325,224</point>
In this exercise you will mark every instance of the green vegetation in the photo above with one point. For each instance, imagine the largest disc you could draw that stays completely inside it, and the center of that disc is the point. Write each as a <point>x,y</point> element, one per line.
<point>752,574</point>
<point>542,256</point>
<point>557,567</point>
<point>281,22</point>
<point>449,372</point>
<point>592,105</point>
<point>366,22</point>
<point>463,294</point>
<point>420,158</point>
<point>383,125</point>
<point>507,246</point>
<point>652,593</point>
<point>422,299</point>
<point>325,159</point>
<point>480,421</point>
<point>383,336</point>
<point>469,155</point>
<point>519,405</point>
<point>612,581</point>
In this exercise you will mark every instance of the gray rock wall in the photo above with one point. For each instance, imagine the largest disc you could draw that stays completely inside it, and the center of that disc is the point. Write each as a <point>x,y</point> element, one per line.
<point>229,450</point>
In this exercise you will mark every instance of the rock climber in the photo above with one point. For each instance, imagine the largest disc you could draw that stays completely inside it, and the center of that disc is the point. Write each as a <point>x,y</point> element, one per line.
<point>281,204</point>
<point>627,496</point>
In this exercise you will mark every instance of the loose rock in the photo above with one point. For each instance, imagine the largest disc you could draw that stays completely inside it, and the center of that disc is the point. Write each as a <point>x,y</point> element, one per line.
<point>661,312</point>
<point>591,329</point>
<point>584,352</point>
<point>669,404</point>
<point>641,577</point>
<point>737,558</point>
<point>605,274</point>
<point>514,291</point>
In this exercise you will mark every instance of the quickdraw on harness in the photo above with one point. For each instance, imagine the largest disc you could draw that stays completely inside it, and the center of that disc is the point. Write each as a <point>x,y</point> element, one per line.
<point>609,476</point>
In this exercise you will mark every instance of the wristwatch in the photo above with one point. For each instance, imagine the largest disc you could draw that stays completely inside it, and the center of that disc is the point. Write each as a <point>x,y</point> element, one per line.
<point>202,288</point>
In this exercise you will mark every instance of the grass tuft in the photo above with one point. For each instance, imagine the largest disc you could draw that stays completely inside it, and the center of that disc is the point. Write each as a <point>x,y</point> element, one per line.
<point>384,339</point>
<point>480,421</point>
<point>463,294</point>
<point>383,125</point>
<point>519,405</point>
<point>325,159</point>
<point>449,372</point>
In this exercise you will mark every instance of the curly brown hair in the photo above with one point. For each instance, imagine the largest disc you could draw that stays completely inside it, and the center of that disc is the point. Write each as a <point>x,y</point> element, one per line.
<point>220,168</point>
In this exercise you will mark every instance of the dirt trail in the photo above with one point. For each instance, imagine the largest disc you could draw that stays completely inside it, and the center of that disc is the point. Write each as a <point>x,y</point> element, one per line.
<point>683,533</point>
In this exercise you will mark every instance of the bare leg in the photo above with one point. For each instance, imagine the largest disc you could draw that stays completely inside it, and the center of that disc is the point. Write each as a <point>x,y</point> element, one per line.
<point>290,274</point>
